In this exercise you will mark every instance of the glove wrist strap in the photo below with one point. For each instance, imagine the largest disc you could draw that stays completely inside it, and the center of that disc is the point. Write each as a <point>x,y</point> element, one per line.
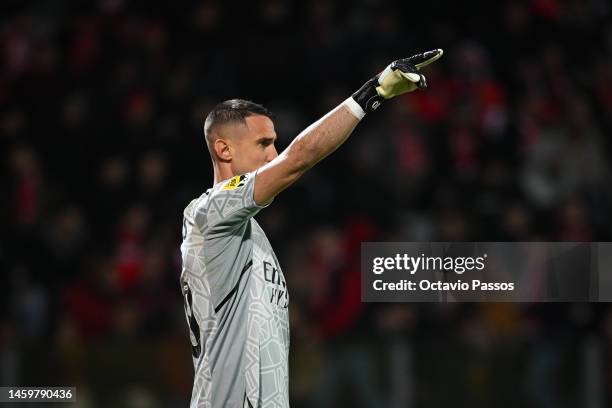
<point>367,97</point>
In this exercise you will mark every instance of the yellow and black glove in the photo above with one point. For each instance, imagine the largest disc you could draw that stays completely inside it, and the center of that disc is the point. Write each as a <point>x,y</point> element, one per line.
<point>397,78</point>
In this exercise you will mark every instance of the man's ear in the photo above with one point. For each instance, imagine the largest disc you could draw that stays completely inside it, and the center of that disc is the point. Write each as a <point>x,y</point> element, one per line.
<point>223,150</point>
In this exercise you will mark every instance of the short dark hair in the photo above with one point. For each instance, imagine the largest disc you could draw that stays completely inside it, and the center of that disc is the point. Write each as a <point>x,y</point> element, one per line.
<point>233,110</point>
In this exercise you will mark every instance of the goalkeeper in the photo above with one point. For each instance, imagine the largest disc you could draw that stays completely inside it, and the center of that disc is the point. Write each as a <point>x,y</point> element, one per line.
<point>236,297</point>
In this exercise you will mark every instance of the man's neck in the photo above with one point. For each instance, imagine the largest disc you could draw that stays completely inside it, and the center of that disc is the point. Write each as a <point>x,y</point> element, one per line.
<point>221,173</point>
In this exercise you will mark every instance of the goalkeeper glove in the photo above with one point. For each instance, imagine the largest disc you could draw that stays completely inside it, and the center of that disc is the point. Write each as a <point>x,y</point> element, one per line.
<point>397,78</point>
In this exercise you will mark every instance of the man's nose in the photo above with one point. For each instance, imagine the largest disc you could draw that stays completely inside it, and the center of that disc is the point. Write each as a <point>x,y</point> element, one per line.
<point>272,154</point>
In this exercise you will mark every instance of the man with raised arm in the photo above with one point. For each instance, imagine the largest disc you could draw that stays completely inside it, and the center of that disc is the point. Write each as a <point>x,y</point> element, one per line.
<point>236,297</point>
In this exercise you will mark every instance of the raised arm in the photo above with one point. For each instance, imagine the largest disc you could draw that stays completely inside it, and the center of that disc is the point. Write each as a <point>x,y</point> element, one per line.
<point>328,133</point>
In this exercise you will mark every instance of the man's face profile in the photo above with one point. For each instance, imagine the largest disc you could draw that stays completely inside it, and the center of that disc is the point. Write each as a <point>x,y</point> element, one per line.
<point>253,144</point>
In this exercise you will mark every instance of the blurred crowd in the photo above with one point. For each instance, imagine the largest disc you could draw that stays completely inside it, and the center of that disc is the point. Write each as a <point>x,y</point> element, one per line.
<point>101,113</point>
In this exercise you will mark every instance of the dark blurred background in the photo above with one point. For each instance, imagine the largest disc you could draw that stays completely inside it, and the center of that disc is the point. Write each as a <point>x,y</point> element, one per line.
<point>101,111</point>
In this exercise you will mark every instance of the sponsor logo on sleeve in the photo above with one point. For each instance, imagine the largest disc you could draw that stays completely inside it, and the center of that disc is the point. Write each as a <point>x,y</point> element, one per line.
<point>234,182</point>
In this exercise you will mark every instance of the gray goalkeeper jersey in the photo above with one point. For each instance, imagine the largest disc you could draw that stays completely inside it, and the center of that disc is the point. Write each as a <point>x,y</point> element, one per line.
<point>236,301</point>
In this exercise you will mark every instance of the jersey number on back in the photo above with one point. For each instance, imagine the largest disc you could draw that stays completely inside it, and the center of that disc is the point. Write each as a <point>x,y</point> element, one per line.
<point>194,327</point>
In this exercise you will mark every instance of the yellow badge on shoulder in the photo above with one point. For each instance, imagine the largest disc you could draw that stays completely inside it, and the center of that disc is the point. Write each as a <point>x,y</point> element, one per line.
<point>234,183</point>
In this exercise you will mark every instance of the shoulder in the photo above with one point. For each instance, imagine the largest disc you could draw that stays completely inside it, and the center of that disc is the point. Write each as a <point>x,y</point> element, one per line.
<point>226,192</point>
<point>233,185</point>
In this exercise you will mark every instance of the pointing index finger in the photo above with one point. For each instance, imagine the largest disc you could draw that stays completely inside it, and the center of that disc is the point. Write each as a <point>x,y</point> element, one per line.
<point>426,58</point>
